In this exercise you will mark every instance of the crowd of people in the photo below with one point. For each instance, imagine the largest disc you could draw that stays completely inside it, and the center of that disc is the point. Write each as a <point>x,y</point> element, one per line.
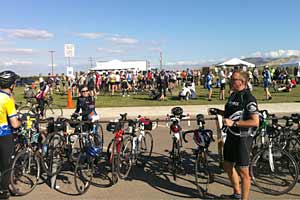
<point>158,84</point>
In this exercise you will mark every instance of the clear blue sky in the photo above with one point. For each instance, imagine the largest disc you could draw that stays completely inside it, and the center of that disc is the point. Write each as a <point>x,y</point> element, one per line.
<point>186,31</point>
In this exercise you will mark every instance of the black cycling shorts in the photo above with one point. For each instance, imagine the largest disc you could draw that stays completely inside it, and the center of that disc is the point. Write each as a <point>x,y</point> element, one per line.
<point>223,86</point>
<point>237,150</point>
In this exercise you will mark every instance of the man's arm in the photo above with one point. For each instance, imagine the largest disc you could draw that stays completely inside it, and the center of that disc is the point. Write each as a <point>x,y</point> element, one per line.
<point>253,121</point>
<point>15,123</point>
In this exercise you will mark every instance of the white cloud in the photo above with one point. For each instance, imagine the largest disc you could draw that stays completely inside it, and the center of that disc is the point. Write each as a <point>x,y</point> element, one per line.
<point>15,62</point>
<point>90,35</point>
<point>122,40</point>
<point>16,51</point>
<point>277,53</point>
<point>28,33</point>
<point>110,51</point>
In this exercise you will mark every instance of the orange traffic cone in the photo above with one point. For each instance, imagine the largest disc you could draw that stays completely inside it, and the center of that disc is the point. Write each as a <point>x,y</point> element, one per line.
<point>70,102</point>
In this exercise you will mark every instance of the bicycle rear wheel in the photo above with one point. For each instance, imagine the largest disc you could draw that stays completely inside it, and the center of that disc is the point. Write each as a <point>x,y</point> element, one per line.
<point>112,156</point>
<point>53,110</point>
<point>202,174</point>
<point>52,155</point>
<point>276,179</point>
<point>83,172</point>
<point>124,158</point>
<point>145,148</point>
<point>25,173</point>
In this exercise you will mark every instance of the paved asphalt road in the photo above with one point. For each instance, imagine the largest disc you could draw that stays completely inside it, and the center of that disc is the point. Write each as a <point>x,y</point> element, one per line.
<point>152,182</point>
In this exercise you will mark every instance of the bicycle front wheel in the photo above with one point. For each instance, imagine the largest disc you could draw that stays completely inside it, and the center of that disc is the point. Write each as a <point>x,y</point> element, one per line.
<point>274,174</point>
<point>202,174</point>
<point>27,110</point>
<point>53,110</point>
<point>25,173</point>
<point>83,172</point>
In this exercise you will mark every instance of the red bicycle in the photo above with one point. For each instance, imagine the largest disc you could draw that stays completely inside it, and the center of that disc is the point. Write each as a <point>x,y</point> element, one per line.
<point>117,154</point>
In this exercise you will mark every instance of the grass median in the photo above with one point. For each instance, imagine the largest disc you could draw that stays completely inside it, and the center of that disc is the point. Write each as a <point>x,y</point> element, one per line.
<point>144,100</point>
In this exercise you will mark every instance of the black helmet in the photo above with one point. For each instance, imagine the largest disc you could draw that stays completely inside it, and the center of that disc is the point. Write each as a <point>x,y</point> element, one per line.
<point>7,78</point>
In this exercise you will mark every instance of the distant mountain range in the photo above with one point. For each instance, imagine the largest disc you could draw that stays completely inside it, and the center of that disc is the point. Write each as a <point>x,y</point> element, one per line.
<point>258,61</point>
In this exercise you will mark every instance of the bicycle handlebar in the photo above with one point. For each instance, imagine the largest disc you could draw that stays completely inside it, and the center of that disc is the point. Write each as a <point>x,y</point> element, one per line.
<point>186,132</point>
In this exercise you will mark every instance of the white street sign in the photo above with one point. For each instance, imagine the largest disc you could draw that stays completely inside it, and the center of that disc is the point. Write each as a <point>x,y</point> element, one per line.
<point>69,50</point>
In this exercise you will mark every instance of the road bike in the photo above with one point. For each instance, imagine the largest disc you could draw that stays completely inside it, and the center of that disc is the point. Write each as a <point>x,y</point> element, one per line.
<point>176,133</point>
<point>202,138</point>
<point>50,108</point>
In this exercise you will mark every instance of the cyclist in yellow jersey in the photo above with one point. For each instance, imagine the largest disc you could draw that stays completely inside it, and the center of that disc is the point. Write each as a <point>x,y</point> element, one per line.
<point>8,121</point>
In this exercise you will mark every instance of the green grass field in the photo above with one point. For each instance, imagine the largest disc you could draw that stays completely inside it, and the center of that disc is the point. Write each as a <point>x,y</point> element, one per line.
<point>144,100</point>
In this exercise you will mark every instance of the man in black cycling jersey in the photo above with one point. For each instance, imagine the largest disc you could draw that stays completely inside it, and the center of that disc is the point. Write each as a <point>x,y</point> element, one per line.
<point>8,121</point>
<point>85,103</point>
<point>241,119</point>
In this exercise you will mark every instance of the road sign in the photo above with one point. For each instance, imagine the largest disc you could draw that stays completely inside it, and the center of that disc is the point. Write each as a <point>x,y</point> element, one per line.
<point>69,50</point>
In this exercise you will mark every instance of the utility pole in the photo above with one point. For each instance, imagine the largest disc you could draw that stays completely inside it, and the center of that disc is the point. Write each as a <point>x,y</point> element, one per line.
<point>91,60</point>
<point>52,60</point>
<point>160,54</point>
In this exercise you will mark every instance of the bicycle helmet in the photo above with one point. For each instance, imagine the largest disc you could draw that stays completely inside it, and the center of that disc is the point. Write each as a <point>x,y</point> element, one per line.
<point>94,151</point>
<point>202,138</point>
<point>8,78</point>
<point>177,111</point>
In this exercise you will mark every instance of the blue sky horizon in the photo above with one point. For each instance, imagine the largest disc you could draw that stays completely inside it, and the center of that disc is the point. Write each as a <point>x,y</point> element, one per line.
<point>197,32</point>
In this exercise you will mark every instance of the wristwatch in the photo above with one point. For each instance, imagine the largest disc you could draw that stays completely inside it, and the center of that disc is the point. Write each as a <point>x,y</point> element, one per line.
<point>234,124</point>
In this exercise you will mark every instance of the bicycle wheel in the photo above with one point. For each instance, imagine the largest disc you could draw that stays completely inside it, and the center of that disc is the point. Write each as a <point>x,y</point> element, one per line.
<point>112,155</point>
<point>276,179</point>
<point>145,148</point>
<point>52,156</point>
<point>202,174</point>
<point>293,147</point>
<point>124,158</point>
<point>175,157</point>
<point>25,172</point>
<point>53,110</point>
<point>83,172</point>
<point>99,132</point>
<point>26,110</point>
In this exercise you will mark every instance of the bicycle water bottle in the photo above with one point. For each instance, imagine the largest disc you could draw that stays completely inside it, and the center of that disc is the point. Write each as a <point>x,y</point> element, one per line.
<point>45,149</point>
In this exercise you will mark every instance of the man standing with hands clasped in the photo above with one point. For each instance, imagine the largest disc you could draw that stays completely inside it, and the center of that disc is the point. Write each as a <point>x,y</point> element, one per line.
<point>241,120</point>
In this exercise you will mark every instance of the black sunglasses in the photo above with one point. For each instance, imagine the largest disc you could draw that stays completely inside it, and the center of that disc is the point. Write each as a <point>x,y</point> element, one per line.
<point>84,91</point>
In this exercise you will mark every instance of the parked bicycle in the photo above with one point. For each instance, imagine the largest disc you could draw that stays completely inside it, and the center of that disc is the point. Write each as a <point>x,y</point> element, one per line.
<point>274,170</point>
<point>140,139</point>
<point>176,133</point>
<point>202,138</point>
<point>29,157</point>
<point>117,154</point>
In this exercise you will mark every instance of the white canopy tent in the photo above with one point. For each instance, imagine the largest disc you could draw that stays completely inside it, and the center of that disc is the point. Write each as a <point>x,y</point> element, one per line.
<point>291,63</point>
<point>236,62</point>
<point>121,65</point>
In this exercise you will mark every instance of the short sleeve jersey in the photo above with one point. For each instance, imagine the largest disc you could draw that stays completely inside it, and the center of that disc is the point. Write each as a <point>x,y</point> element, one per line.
<point>240,106</point>
<point>7,110</point>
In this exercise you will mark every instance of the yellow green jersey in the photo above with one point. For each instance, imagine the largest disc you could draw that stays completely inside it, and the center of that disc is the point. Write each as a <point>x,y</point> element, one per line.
<point>7,110</point>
